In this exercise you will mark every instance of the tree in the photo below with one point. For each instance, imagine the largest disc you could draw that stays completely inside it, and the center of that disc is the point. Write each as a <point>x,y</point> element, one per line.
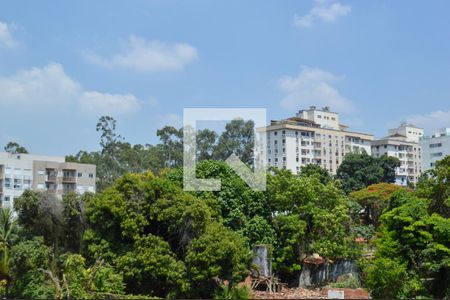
<point>74,220</point>
<point>374,199</point>
<point>41,214</point>
<point>309,217</point>
<point>15,148</point>
<point>144,225</point>
<point>436,187</point>
<point>109,138</point>
<point>151,268</point>
<point>315,170</point>
<point>258,230</point>
<point>172,143</point>
<point>238,138</point>
<point>28,259</point>
<point>359,170</point>
<point>413,246</point>
<point>7,227</point>
<point>236,202</point>
<point>110,168</point>
<point>219,254</point>
<point>79,282</point>
<point>206,143</point>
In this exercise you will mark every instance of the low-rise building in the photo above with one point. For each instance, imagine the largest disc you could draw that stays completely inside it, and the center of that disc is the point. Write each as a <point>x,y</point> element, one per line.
<point>312,136</point>
<point>435,148</point>
<point>402,143</point>
<point>19,172</point>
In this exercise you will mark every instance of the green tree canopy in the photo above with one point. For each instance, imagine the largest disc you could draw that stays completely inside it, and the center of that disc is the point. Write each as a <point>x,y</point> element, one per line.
<point>359,170</point>
<point>414,247</point>
<point>374,199</point>
<point>219,254</point>
<point>310,217</point>
<point>315,170</point>
<point>15,148</point>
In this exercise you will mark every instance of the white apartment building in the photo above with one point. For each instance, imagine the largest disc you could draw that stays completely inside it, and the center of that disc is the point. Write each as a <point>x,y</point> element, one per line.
<point>403,143</point>
<point>19,172</point>
<point>435,148</point>
<point>411,132</point>
<point>312,136</point>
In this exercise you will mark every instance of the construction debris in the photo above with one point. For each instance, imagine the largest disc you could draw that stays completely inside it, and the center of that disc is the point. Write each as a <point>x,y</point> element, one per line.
<point>286,293</point>
<point>319,293</point>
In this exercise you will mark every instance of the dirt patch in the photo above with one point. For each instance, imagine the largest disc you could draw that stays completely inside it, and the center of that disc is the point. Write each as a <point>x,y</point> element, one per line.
<point>302,293</point>
<point>294,293</point>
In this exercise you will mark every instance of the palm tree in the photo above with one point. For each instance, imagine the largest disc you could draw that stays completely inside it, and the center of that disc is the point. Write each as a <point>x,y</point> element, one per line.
<point>7,225</point>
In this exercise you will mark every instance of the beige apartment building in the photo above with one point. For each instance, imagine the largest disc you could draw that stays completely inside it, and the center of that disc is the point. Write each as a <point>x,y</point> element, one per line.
<point>403,143</point>
<point>312,136</point>
<point>19,172</point>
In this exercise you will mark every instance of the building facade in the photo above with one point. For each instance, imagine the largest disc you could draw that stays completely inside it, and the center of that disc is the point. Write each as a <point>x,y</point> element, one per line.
<point>435,148</point>
<point>19,172</point>
<point>409,131</point>
<point>312,136</point>
<point>402,143</point>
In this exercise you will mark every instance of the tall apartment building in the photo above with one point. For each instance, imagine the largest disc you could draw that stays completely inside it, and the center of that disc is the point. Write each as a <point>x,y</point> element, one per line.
<point>312,136</point>
<point>411,132</point>
<point>435,148</point>
<point>19,172</point>
<point>403,143</point>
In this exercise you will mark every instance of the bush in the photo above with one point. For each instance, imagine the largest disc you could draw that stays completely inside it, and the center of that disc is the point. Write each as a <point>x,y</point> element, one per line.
<point>236,292</point>
<point>350,281</point>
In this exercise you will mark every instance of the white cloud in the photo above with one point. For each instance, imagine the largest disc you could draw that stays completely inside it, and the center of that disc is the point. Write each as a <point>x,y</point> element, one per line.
<point>47,87</point>
<point>50,88</point>
<point>431,122</point>
<point>148,56</point>
<point>313,87</point>
<point>6,38</point>
<point>323,10</point>
<point>103,103</point>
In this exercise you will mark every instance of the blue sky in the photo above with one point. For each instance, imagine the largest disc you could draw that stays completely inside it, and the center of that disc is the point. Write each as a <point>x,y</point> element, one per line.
<point>62,65</point>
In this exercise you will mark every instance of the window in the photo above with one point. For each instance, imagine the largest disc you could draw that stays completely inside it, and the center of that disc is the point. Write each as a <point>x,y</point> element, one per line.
<point>79,174</point>
<point>437,145</point>
<point>7,198</point>
<point>91,175</point>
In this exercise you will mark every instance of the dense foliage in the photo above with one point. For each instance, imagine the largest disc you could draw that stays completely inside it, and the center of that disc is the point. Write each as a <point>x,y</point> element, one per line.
<point>359,170</point>
<point>412,257</point>
<point>118,157</point>
<point>143,236</point>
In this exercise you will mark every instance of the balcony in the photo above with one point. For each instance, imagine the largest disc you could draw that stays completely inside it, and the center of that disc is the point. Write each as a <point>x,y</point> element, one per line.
<point>69,176</point>
<point>50,175</point>
<point>70,179</point>
<point>68,187</point>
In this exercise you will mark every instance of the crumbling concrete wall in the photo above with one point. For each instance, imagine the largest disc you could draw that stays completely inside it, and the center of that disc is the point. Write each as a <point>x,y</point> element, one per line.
<point>319,274</point>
